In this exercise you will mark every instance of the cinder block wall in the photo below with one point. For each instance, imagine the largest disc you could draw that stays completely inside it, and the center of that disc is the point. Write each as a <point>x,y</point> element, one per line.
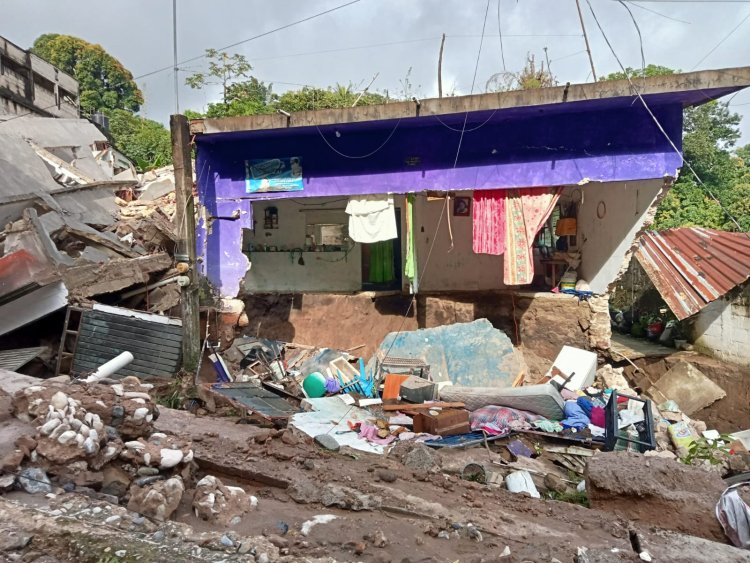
<point>722,329</point>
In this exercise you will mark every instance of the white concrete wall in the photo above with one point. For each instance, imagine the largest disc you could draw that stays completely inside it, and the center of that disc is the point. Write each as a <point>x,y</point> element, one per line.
<point>458,269</point>
<point>722,329</point>
<point>322,271</point>
<point>604,242</point>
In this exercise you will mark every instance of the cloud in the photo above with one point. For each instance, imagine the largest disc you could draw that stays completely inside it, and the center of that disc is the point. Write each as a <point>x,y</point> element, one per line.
<point>139,33</point>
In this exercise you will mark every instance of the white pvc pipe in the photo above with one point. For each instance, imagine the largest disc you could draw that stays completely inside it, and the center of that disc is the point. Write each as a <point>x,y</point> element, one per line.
<point>111,367</point>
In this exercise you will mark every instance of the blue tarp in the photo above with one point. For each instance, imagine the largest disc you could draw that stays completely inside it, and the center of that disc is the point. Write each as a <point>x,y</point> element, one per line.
<point>469,354</point>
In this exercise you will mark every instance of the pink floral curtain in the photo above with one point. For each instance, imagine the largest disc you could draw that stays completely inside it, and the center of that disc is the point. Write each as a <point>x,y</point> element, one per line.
<point>489,222</point>
<point>526,210</point>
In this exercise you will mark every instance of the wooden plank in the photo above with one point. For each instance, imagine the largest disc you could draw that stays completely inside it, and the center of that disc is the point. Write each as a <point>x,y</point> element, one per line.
<point>422,406</point>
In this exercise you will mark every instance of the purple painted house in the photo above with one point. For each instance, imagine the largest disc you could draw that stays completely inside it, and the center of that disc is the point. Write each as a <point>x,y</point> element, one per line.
<point>274,188</point>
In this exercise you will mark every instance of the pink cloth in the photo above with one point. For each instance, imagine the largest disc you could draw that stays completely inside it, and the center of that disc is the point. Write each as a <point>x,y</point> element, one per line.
<point>526,210</point>
<point>489,222</point>
<point>370,433</point>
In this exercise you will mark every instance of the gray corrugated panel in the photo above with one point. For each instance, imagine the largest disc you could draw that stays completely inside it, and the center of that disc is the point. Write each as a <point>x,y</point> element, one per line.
<point>32,306</point>
<point>256,399</point>
<point>156,347</point>
<point>14,359</point>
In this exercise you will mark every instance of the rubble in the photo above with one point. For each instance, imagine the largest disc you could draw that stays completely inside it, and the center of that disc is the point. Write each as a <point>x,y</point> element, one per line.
<point>216,502</point>
<point>157,499</point>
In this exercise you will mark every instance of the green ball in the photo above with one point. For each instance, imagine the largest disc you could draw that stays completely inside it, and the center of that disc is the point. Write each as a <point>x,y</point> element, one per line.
<point>315,385</point>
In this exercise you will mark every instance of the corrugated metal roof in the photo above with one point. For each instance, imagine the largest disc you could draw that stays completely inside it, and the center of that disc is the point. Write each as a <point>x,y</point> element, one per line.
<point>691,267</point>
<point>19,357</point>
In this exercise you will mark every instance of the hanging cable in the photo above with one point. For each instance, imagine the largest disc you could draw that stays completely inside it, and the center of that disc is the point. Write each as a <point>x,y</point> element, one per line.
<point>356,157</point>
<point>659,125</point>
<point>500,35</point>
<point>727,36</point>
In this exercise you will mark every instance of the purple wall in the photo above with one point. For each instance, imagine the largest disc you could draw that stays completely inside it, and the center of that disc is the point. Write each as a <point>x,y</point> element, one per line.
<point>523,147</point>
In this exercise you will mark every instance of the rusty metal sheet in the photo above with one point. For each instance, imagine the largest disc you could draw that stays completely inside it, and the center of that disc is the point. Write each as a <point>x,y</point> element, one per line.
<point>691,267</point>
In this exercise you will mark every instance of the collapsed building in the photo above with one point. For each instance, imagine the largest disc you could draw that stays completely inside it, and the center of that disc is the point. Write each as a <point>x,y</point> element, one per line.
<point>400,321</point>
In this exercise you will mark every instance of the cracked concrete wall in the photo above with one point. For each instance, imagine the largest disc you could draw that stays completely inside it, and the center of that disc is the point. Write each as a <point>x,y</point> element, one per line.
<point>610,218</point>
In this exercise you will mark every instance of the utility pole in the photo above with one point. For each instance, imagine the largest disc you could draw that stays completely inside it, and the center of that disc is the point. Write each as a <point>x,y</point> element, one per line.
<point>174,45</point>
<point>440,68</point>
<point>185,251</point>
<point>586,39</point>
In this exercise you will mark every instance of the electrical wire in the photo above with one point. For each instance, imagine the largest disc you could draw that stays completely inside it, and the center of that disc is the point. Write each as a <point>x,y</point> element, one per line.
<point>264,34</point>
<point>357,157</point>
<point>500,35</point>
<point>727,36</point>
<point>444,209</point>
<point>637,5</point>
<point>640,38</point>
<point>659,125</point>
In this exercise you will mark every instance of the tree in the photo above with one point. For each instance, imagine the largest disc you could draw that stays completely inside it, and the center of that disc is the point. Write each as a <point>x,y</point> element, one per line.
<point>104,83</point>
<point>710,132</point>
<point>147,143</point>
<point>223,68</point>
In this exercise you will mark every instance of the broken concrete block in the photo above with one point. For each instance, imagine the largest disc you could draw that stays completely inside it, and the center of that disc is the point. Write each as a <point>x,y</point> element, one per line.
<point>688,387</point>
<point>656,492</point>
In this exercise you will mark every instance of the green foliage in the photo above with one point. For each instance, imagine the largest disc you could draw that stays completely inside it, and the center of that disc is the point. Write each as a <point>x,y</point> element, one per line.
<point>714,452</point>
<point>529,78</point>
<point>650,70</point>
<point>147,143</point>
<point>573,497</point>
<point>710,132</point>
<point>223,68</point>
<point>105,84</point>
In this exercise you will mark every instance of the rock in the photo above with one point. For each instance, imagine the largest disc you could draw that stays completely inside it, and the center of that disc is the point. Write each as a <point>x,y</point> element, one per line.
<point>158,536</point>
<point>147,471</point>
<point>114,519</point>
<point>308,464</point>
<point>11,540</point>
<point>59,400</point>
<point>7,481</point>
<point>348,498</point>
<point>327,441</point>
<point>115,480</point>
<point>245,547</point>
<point>226,541</point>
<point>304,491</point>
<point>645,489</point>
<point>263,558</point>
<point>12,461</point>
<point>34,480</point>
<point>215,502</point>
<point>289,438</point>
<point>121,552</point>
<point>378,539</point>
<point>387,475</point>
<point>157,500</point>
<point>613,378</point>
<point>170,458</point>
<point>420,458</point>
<point>555,483</point>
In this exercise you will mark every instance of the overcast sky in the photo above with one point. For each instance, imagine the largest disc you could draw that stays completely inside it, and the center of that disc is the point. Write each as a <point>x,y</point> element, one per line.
<point>388,37</point>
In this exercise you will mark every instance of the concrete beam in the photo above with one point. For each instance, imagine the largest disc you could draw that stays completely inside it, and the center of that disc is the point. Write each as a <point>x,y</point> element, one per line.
<point>736,78</point>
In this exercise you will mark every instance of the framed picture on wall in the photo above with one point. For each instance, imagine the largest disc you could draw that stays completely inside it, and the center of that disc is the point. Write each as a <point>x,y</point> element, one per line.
<point>462,207</point>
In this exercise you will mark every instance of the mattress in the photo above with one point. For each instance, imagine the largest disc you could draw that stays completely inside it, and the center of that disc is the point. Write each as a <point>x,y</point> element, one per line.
<point>543,399</point>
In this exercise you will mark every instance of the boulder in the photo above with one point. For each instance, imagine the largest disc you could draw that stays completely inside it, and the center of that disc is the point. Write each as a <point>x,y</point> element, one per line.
<point>157,500</point>
<point>215,502</point>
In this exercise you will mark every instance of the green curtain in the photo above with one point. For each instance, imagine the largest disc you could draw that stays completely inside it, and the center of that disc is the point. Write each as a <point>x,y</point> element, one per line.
<point>381,262</point>
<point>410,268</point>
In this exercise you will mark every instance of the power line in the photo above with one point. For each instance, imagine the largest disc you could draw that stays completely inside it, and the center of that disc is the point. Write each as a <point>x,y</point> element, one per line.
<point>264,34</point>
<point>637,5</point>
<point>727,36</point>
<point>500,35</point>
<point>659,125</point>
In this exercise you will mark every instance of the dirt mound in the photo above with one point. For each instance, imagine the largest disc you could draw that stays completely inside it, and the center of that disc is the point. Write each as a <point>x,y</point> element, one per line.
<point>653,491</point>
